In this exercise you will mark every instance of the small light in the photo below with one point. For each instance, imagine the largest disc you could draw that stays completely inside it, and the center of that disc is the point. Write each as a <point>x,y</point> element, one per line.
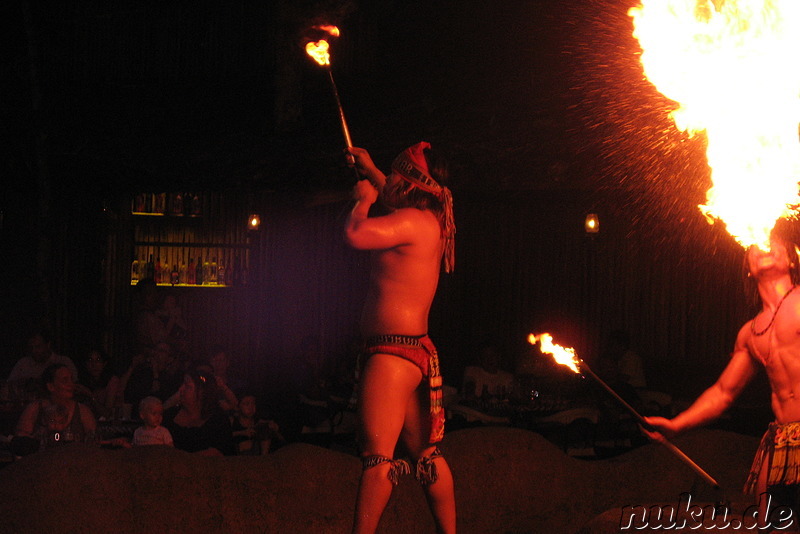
<point>592,224</point>
<point>254,222</point>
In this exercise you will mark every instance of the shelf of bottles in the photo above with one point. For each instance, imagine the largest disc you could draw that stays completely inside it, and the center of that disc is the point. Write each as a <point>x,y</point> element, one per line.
<point>192,239</point>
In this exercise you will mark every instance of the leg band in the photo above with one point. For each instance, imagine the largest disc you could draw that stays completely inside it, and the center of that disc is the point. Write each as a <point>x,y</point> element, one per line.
<point>398,467</point>
<point>426,472</point>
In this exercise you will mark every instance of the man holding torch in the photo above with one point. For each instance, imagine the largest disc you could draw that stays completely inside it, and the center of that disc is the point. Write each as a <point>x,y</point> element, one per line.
<point>772,340</point>
<point>399,390</point>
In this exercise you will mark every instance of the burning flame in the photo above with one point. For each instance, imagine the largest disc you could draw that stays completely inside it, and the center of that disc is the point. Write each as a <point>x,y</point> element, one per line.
<point>319,52</point>
<point>333,31</point>
<point>563,355</point>
<point>729,66</point>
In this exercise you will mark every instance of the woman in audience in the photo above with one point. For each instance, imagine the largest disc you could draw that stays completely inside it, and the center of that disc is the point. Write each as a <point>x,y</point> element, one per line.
<point>56,419</point>
<point>97,386</point>
<point>198,424</point>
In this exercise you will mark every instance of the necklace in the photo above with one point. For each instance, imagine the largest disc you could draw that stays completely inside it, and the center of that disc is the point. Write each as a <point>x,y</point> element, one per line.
<point>753,323</point>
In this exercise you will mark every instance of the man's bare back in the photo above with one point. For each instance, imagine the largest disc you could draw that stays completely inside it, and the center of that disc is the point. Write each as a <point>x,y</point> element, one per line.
<point>403,280</point>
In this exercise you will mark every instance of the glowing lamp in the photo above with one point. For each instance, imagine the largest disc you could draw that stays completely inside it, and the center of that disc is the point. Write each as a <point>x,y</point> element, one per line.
<point>592,224</point>
<point>253,222</point>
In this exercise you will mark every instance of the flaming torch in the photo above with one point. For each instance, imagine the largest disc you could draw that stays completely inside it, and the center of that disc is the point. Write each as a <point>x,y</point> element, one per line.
<point>318,50</point>
<point>566,356</point>
<point>727,66</point>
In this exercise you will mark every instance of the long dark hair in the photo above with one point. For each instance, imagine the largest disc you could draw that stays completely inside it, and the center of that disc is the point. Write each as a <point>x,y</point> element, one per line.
<point>411,196</point>
<point>206,387</point>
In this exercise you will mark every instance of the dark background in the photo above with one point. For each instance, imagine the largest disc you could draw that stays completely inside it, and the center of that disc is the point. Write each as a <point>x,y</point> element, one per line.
<point>542,107</point>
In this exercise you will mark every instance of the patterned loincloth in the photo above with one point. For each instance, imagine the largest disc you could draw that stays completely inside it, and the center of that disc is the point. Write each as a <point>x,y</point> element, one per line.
<point>421,351</point>
<point>781,444</point>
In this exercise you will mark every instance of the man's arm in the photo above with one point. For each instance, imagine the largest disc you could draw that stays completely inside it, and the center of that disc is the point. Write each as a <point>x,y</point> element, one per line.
<point>366,168</point>
<point>378,233</point>
<point>714,401</point>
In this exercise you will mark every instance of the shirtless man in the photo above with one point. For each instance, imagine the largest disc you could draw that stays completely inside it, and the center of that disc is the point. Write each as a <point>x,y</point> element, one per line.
<point>400,385</point>
<point>772,340</point>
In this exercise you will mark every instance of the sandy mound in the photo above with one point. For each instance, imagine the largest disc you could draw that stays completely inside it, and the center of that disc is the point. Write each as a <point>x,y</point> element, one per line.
<point>507,481</point>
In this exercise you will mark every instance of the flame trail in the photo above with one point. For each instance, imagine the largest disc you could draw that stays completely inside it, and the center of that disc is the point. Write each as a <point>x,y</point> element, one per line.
<point>729,67</point>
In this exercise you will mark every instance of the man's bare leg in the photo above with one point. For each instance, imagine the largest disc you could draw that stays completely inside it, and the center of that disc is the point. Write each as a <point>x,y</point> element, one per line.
<point>415,436</point>
<point>386,384</point>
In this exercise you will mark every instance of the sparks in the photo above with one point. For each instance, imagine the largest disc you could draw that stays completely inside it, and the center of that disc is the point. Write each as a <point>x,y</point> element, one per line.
<point>728,66</point>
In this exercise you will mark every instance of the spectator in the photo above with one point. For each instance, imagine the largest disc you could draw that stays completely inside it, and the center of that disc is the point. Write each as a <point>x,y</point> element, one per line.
<point>153,374</point>
<point>25,375</point>
<point>253,435</point>
<point>151,411</point>
<point>149,330</point>
<point>487,379</point>
<point>175,326</point>
<point>97,386</point>
<point>198,424</point>
<point>56,419</point>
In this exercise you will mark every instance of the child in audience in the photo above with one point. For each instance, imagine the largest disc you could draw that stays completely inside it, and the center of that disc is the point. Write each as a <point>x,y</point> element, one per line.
<point>151,410</point>
<point>251,434</point>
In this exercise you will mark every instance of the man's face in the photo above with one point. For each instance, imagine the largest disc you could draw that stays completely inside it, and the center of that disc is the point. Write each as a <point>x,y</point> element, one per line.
<point>39,348</point>
<point>62,385</point>
<point>775,261</point>
<point>390,195</point>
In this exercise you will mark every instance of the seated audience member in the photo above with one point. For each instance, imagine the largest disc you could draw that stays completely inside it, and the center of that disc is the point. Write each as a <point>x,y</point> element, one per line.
<point>253,435</point>
<point>151,411</point>
<point>55,419</point>
<point>148,329</point>
<point>220,361</point>
<point>225,396</point>
<point>153,374</point>
<point>97,386</point>
<point>39,355</point>
<point>175,326</point>
<point>199,424</point>
<point>486,378</point>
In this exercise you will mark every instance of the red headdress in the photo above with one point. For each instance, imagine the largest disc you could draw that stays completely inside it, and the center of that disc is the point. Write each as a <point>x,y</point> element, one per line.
<point>412,167</point>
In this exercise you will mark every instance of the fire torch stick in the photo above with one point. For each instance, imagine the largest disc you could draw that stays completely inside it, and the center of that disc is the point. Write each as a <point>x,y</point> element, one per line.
<point>566,356</point>
<point>319,52</point>
<point>642,421</point>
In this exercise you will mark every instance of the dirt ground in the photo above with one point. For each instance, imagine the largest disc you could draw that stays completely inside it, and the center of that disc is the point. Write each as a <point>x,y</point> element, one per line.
<point>507,481</point>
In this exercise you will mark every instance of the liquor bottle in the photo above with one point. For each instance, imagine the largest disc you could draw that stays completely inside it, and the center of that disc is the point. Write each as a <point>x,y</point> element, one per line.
<point>212,272</point>
<point>198,272</point>
<point>158,271</point>
<point>160,203</point>
<point>177,204</point>
<point>150,269</point>
<point>173,276</point>
<point>135,270</point>
<point>196,209</point>
<point>191,272</point>
<point>206,271</point>
<point>183,274</point>
<point>221,280</point>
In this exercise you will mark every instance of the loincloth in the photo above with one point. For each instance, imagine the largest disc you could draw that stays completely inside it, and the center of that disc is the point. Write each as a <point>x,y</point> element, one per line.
<point>420,351</point>
<point>781,444</point>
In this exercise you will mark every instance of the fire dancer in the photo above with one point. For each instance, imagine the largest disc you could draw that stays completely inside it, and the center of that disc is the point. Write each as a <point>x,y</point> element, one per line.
<point>400,386</point>
<point>772,340</point>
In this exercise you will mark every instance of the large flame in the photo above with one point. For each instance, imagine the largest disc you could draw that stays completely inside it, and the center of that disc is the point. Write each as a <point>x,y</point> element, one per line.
<point>563,355</point>
<point>319,52</point>
<point>730,67</point>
